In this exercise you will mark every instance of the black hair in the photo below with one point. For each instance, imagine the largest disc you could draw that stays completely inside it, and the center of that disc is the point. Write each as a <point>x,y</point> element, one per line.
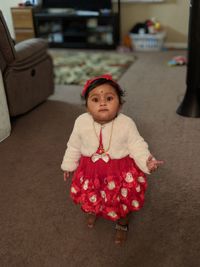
<point>100,81</point>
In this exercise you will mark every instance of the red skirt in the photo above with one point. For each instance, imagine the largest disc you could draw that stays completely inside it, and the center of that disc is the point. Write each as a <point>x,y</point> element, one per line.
<point>111,189</point>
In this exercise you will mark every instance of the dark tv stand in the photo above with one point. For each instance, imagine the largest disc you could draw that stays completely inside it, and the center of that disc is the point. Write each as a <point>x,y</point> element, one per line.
<point>78,29</point>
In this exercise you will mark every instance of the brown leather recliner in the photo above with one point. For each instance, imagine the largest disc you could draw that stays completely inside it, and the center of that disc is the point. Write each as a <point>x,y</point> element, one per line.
<point>27,71</point>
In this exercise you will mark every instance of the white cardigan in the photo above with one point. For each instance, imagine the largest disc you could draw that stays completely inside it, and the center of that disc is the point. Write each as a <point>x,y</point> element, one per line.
<point>125,140</point>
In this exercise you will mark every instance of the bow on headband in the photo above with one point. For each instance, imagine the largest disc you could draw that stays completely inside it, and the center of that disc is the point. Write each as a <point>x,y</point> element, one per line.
<point>89,82</point>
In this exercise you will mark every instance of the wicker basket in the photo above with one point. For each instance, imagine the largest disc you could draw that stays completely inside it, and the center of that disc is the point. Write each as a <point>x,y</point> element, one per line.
<point>148,42</point>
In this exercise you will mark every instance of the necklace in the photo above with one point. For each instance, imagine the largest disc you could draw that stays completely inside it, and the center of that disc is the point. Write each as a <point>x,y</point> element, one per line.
<point>101,148</point>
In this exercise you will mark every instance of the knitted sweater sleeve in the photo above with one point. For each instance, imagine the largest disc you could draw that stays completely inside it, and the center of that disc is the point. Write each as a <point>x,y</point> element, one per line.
<point>138,148</point>
<point>72,153</point>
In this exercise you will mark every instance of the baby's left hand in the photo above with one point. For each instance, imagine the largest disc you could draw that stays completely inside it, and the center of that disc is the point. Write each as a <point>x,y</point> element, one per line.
<point>153,164</point>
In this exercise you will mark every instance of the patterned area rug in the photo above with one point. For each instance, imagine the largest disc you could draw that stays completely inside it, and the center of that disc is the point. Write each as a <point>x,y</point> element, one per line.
<point>72,67</point>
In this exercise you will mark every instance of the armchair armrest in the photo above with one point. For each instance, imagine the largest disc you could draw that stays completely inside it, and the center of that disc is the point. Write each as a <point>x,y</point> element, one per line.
<point>29,50</point>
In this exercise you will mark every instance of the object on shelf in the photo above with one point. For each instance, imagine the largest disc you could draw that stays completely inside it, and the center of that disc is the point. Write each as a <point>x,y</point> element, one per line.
<point>30,2</point>
<point>92,23</point>
<point>177,61</point>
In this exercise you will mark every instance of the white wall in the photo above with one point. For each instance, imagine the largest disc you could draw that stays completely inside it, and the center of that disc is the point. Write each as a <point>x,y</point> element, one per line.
<point>5,7</point>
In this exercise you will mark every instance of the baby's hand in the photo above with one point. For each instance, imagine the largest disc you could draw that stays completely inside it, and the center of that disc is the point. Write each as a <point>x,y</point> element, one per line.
<point>153,164</point>
<point>66,175</point>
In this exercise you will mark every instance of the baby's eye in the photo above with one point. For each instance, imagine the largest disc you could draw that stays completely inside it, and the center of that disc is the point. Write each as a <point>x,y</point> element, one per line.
<point>95,99</point>
<point>109,98</point>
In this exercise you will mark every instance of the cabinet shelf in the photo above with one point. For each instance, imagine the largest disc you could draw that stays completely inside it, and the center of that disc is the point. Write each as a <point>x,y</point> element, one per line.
<point>78,31</point>
<point>74,33</point>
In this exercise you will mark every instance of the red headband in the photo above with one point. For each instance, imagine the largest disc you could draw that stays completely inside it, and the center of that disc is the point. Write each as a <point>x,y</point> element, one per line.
<point>89,82</point>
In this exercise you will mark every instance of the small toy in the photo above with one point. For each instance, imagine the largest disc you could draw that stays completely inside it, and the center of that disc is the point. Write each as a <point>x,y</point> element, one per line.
<point>177,61</point>
<point>157,26</point>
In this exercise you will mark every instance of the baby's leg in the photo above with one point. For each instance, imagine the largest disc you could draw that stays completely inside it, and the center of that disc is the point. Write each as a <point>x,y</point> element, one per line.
<point>125,221</point>
<point>91,219</point>
<point>121,230</point>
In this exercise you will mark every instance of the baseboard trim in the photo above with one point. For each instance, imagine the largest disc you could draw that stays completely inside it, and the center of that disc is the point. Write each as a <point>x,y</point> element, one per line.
<point>176,45</point>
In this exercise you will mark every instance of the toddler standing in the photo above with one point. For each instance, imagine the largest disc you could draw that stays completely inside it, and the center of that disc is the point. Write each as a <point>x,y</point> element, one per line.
<point>108,158</point>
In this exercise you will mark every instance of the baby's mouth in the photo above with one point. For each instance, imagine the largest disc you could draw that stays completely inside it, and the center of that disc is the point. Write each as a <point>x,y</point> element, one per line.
<point>103,109</point>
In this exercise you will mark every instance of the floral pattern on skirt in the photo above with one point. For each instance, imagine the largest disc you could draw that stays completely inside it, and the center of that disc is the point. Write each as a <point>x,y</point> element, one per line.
<point>111,189</point>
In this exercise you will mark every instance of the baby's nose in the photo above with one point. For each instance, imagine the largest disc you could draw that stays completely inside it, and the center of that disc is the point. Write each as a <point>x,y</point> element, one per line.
<point>102,101</point>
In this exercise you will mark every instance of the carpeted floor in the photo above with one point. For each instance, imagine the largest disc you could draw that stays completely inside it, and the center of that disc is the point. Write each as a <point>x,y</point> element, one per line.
<point>72,67</point>
<point>41,227</point>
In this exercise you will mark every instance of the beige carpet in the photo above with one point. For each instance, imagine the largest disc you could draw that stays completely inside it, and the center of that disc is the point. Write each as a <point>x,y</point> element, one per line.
<point>41,227</point>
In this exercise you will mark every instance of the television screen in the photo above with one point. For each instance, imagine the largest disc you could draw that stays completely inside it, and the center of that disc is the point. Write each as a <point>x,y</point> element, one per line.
<point>95,5</point>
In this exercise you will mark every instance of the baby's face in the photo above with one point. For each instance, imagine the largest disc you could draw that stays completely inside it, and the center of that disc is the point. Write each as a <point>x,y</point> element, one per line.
<point>103,103</point>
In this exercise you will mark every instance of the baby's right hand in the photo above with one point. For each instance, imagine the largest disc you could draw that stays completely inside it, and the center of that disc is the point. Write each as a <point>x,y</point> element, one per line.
<point>66,175</point>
